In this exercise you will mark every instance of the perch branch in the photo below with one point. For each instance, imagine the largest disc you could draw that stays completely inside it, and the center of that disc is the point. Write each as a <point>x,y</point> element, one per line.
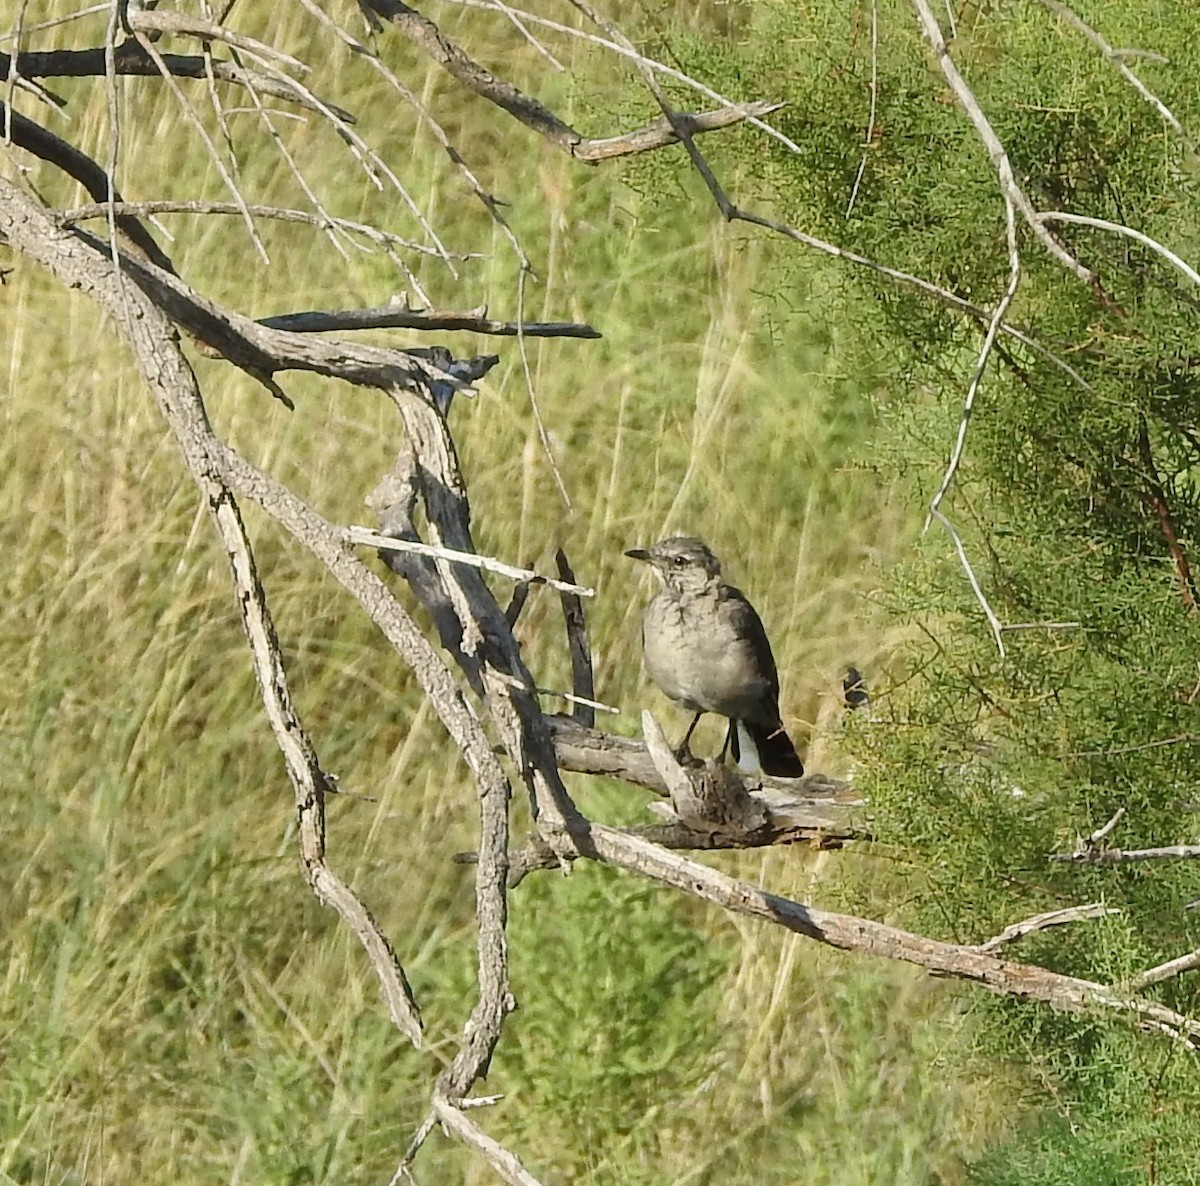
<point>1005,978</point>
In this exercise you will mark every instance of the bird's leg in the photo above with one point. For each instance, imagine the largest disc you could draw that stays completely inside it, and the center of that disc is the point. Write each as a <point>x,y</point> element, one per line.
<point>731,743</point>
<point>682,751</point>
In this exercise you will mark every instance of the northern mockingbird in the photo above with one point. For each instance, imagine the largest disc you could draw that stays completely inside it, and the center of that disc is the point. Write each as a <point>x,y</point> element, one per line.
<point>706,648</point>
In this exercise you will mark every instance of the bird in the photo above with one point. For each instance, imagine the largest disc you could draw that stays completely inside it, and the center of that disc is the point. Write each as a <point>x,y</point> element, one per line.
<point>705,646</point>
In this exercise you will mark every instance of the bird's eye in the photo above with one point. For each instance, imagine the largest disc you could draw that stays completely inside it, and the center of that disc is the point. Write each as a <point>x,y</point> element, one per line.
<point>679,561</point>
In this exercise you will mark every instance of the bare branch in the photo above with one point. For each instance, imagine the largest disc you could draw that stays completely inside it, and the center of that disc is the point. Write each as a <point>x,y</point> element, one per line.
<point>461,1126</point>
<point>583,686</point>
<point>147,20</point>
<point>1175,967</point>
<point>369,539</point>
<point>1114,856</point>
<point>537,854</point>
<point>534,114</point>
<point>1102,832</point>
<point>1014,262</point>
<point>815,808</point>
<point>1023,981</point>
<point>1115,57</point>
<point>993,621</point>
<point>283,214</point>
<point>399,317</point>
<point>662,132</point>
<point>1102,224</point>
<point>1040,922</point>
<point>995,149</point>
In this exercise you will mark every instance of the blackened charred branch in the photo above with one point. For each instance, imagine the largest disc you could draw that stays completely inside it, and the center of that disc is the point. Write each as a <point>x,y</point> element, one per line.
<point>474,321</point>
<point>131,59</point>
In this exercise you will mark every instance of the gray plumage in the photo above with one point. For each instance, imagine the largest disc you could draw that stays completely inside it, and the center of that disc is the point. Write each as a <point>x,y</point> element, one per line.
<point>706,648</point>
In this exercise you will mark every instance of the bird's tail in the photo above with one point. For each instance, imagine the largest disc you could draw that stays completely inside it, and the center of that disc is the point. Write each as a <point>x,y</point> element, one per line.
<point>759,747</point>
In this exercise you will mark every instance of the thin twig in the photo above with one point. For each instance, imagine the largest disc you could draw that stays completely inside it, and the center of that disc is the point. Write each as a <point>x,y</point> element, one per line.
<point>531,390</point>
<point>1052,918</point>
<point>869,139</point>
<point>404,1169</point>
<point>993,621</point>
<point>282,213</point>
<point>192,118</point>
<point>1014,262</point>
<point>486,198</point>
<point>365,537</point>
<point>587,719</point>
<point>146,20</point>
<point>1102,224</point>
<point>1179,739</point>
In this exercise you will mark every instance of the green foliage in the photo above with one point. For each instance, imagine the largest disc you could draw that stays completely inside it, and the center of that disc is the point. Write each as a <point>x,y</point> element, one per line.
<point>979,766</point>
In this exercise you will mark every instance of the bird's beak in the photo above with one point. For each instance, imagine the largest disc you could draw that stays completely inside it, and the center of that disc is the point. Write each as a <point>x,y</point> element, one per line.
<point>638,554</point>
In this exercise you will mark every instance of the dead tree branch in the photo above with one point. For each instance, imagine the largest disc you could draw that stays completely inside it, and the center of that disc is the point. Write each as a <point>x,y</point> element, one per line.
<point>458,1124</point>
<point>1040,922</point>
<point>1175,967</point>
<point>131,59</point>
<point>1022,981</point>
<point>425,34</point>
<point>1116,856</point>
<point>583,686</point>
<point>166,372</point>
<point>474,321</point>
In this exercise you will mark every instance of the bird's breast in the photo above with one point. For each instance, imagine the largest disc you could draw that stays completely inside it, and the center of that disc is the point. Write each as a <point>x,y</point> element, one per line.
<point>697,657</point>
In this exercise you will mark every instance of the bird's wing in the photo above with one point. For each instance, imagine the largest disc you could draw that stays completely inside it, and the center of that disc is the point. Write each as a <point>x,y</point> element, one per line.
<point>746,623</point>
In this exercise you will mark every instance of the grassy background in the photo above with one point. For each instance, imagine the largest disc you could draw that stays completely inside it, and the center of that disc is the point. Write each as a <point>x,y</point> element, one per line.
<point>174,1003</point>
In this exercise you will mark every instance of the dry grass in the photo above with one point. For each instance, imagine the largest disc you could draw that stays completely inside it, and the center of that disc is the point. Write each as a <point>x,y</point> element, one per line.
<point>174,1005</point>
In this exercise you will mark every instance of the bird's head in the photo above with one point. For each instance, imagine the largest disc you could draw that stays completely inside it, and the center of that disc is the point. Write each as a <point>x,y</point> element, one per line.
<point>682,563</point>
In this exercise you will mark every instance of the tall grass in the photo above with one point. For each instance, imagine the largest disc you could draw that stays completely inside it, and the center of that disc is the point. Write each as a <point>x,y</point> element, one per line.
<point>175,1005</point>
